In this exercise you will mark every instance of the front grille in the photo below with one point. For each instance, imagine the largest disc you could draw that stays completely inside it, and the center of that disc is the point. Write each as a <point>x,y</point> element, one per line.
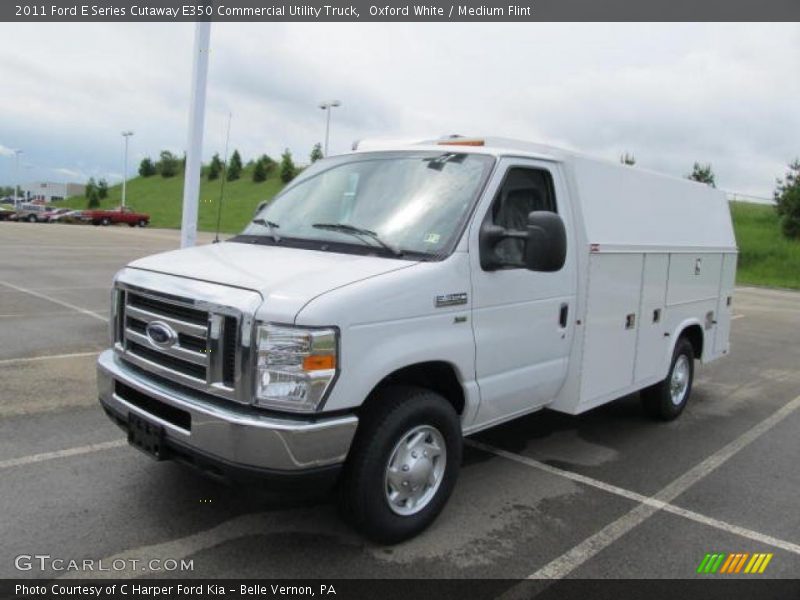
<point>176,364</point>
<point>168,309</point>
<point>203,353</point>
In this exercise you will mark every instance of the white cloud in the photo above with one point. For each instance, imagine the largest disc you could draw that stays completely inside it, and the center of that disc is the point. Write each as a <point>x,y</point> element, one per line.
<point>669,93</point>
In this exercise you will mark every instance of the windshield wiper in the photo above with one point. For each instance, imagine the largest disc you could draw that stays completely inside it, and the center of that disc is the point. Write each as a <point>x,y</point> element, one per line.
<point>358,232</point>
<point>271,226</point>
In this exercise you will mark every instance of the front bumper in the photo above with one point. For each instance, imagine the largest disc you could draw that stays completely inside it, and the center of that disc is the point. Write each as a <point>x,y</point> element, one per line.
<point>214,431</point>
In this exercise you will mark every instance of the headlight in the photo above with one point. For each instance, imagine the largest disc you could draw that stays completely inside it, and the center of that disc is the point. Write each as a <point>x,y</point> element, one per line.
<point>296,366</point>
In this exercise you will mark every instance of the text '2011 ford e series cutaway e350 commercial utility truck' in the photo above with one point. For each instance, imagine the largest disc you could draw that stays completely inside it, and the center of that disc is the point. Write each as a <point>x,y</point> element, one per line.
<point>394,299</point>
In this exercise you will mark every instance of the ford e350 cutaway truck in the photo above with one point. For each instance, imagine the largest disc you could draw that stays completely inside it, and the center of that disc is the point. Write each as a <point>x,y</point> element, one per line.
<point>392,300</point>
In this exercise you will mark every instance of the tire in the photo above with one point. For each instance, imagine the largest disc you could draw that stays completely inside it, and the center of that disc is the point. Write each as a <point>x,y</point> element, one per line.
<point>105,221</point>
<point>32,219</point>
<point>381,452</point>
<point>142,223</point>
<point>131,224</point>
<point>666,400</point>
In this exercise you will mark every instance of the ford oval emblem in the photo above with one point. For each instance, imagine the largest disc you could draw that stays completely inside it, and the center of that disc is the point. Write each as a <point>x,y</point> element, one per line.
<point>160,334</point>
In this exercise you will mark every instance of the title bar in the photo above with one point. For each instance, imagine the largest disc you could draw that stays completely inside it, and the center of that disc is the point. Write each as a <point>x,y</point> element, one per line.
<point>398,10</point>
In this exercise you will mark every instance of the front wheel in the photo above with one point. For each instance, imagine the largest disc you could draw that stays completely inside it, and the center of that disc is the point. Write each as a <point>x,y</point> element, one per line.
<point>31,218</point>
<point>667,399</point>
<point>142,223</point>
<point>403,464</point>
<point>105,222</point>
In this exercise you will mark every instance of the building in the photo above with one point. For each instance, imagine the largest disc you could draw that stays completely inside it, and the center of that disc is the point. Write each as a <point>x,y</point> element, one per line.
<point>48,191</point>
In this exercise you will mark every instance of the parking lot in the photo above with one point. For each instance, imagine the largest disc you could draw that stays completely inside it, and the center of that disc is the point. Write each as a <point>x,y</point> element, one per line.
<point>605,494</point>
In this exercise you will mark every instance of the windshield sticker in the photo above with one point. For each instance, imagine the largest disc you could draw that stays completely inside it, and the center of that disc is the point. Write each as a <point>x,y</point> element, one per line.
<point>432,238</point>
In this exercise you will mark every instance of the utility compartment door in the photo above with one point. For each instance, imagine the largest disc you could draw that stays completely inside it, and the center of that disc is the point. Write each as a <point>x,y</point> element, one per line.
<point>612,318</point>
<point>651,344</point>
<point>725,305</point>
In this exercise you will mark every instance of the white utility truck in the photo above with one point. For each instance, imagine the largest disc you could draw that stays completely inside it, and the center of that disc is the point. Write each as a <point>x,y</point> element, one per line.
<point>392,300</point>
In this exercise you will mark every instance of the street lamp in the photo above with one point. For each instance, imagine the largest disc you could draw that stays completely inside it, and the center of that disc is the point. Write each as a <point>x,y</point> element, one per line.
<point>327,106</point>
<point>16,177</point>
<point>126,135</point>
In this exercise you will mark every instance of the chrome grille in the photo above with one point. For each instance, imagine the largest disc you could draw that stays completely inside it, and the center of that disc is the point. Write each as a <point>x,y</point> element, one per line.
<point>203,356</point>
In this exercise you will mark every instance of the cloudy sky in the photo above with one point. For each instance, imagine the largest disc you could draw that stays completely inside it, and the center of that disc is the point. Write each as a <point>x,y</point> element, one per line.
<point>668,93</point>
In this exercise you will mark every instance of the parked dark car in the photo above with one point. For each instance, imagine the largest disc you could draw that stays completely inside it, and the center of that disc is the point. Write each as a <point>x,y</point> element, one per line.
<point>7,214</point>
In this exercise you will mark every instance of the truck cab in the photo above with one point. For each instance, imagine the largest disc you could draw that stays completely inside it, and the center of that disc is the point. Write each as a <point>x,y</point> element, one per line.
<point>390,301</point>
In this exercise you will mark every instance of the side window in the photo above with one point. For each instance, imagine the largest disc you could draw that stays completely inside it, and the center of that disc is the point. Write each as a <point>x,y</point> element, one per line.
<point>524,190</point>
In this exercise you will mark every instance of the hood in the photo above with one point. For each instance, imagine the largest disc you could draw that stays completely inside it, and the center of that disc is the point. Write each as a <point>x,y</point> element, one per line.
<point>287,278</point>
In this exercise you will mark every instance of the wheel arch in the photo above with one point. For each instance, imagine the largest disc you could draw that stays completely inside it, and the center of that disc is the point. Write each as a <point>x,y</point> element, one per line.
<point>692,330</point>
<point>436,375</point>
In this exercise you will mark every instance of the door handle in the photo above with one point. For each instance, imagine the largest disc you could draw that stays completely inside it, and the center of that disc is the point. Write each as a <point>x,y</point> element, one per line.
<point>563,314</point>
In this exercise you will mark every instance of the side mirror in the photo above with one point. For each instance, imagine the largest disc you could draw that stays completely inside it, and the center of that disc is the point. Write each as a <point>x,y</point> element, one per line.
<point>261,206</point>
<point>546,245</point>
<point>545,241</point>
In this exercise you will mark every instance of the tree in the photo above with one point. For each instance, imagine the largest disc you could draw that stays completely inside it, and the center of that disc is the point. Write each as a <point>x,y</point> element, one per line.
<point>92,195</point>
<point>627,159</point>
<point>703,174</point>
<point>288,170</point>
<point>316,152</point>
<point>787,201</point>
<point>168,164</point>
<point>102,189</point>
<point>234,166</point>
<point>147,168</point>
<point>214,167</point>
<point>259,172</point>
<point>262,168</point>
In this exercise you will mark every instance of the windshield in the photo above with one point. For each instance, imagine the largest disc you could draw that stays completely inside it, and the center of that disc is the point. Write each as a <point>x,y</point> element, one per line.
<point>393,202</point>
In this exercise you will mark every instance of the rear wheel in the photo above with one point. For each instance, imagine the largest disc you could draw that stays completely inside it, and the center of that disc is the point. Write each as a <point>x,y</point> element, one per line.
<point>403,464</point>
<point>142,223</point>
<point>32,219</point>
<point>667,399</point>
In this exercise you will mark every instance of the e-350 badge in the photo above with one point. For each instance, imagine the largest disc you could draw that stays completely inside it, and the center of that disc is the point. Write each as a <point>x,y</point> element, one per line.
<point>450,299</point>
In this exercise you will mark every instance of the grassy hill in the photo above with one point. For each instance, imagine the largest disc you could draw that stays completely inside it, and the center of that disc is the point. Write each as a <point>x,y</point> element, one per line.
<point>765,256</point>
<point>162,198</point>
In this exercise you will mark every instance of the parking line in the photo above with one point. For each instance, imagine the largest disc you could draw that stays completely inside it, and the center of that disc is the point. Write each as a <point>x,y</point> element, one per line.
<point>45,456</point>
<point>88,313</point>
<point>641,498</point>
<point>11,361</point>
<point>588,548</point>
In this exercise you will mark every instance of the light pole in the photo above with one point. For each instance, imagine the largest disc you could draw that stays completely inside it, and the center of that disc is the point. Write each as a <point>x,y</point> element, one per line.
<point>327,106</point>
<point>16,177</point>
<point>194,146</point>
<point>126,135</point>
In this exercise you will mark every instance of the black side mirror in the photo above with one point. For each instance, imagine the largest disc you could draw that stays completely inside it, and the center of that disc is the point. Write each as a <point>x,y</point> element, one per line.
<point>545,243</point>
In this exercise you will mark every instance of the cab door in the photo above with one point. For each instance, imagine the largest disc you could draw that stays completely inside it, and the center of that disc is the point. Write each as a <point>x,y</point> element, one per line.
<point>523,321</point>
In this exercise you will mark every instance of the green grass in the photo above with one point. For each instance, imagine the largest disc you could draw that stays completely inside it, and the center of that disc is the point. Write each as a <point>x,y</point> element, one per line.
<point>765,256</point>
<point>162,198</point>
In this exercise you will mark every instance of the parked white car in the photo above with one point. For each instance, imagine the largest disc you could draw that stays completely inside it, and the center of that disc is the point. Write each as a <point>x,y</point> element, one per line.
<point>392,300</point>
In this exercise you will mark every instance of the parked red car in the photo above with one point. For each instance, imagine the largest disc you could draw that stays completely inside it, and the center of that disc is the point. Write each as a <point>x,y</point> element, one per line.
<point>123,214</point>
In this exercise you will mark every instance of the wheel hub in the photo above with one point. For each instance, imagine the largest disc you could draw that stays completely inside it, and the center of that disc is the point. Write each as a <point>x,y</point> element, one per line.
<point>415,470</point>
<point>679,382</point>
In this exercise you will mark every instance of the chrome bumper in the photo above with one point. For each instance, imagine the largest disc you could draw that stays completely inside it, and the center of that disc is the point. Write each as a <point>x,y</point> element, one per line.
<point>232,433</point>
